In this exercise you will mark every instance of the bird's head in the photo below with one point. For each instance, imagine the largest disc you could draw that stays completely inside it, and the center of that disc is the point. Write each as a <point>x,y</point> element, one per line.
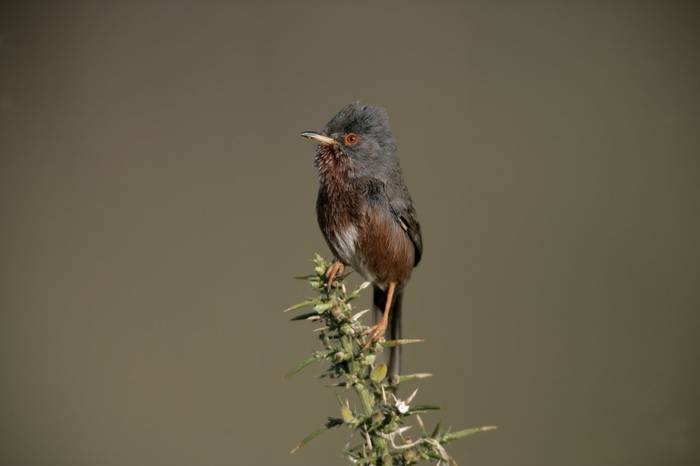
<point>359,133</point>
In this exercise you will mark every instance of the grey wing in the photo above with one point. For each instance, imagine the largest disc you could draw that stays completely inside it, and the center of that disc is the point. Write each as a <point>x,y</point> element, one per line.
<point>405,215</point>
<point>401,207</point>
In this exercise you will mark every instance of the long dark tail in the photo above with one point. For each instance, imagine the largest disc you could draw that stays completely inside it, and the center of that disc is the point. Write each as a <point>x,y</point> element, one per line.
<point>394,328</point>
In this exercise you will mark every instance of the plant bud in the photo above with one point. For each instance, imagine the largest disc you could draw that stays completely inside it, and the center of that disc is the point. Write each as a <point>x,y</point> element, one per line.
<point>337,313</point>
<point>346,414</point>
<point>410,456</point>
<point>369,359</point>
<point>379,373</point>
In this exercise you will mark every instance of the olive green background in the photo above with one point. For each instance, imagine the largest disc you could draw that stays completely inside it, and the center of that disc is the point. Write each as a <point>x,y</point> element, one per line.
<point>156,199</point>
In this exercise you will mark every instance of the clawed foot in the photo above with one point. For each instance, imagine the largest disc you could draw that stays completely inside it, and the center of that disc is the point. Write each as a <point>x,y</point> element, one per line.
<point>376,332</point>
<point>336,268</point>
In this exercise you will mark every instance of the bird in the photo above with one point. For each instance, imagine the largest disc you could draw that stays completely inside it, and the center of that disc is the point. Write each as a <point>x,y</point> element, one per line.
<point>366,213</point>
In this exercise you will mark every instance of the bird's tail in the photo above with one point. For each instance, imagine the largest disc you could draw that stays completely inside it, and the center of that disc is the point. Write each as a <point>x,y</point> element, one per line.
<point>394,328</point>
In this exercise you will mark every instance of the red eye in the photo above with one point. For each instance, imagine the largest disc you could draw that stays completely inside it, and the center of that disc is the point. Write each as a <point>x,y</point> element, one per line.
<point>351,139</point>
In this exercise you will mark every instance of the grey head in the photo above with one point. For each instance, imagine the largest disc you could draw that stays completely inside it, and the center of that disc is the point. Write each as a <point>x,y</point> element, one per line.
<point>361,133</point>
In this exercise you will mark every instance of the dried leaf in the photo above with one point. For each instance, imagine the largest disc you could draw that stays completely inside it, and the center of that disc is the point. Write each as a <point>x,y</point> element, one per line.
<point>306,303</point>
<point>465,433</point>
<point>405,378</point>
<point>405,341</point>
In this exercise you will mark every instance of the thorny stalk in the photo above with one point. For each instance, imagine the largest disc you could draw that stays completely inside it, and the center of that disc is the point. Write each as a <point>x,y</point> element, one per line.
<point>381,420</point>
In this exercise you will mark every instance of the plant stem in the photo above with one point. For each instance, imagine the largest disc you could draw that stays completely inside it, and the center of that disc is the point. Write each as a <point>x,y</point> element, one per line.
<point>382,425</point>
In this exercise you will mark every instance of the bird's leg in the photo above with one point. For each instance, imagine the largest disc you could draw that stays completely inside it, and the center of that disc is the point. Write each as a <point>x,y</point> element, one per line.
<point>378,330</point>
<point>336,268</point>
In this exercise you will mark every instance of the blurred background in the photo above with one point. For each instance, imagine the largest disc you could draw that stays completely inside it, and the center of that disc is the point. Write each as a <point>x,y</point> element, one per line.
<point>156,199</point>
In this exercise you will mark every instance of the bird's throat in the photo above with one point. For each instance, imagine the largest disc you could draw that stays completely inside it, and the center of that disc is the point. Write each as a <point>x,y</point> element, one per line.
<point>334,167</point>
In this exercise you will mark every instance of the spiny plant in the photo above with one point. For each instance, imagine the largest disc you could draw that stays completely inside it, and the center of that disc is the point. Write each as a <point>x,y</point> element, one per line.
<point>388,430</point>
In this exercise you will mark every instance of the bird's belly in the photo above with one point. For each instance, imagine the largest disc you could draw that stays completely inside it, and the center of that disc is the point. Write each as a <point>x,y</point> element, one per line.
<point>379,251</point>
<point>344,242</point>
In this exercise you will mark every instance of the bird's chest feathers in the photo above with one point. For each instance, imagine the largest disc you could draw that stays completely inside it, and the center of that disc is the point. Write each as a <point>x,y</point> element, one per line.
<point>364,234</point>
<point>340,210</point>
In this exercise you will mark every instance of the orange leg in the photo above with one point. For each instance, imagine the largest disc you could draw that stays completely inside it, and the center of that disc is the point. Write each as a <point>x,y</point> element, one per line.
<point>377,331</point>
<point>336,268</point>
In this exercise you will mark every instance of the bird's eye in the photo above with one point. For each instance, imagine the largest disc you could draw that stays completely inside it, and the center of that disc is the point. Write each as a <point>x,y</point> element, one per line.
<point>351,139</point>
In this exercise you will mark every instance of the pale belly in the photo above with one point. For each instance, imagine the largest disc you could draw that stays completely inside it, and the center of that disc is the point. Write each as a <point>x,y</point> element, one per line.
<point>346,245</point>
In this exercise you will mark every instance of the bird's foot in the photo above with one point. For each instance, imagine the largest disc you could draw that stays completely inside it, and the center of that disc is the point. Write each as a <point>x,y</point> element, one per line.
<point>336,268</point>
<point>376,332</point>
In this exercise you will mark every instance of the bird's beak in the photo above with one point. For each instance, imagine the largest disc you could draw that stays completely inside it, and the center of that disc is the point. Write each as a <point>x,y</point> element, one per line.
<point>319,137</point>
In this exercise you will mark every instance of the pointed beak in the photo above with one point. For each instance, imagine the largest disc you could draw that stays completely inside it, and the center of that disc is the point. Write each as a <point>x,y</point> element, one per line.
<point>320,138</point>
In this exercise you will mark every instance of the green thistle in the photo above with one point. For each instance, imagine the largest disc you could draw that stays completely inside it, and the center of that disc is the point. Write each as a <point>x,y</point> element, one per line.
<point>383,421</point>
